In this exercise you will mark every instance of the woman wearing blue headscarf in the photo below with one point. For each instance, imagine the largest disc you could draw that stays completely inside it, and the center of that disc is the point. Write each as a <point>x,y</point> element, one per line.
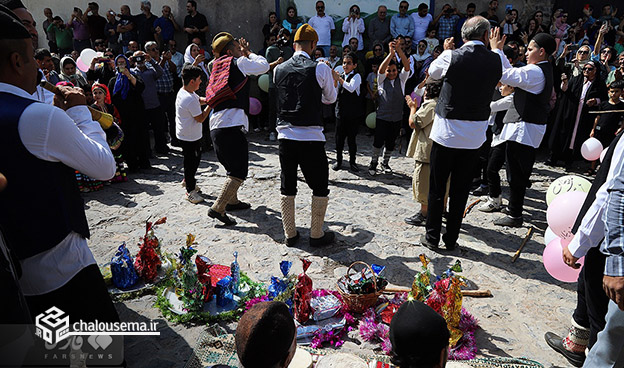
<point>126,89</point>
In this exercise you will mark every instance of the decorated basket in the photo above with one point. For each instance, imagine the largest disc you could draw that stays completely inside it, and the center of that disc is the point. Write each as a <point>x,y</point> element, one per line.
<point>358,303</point>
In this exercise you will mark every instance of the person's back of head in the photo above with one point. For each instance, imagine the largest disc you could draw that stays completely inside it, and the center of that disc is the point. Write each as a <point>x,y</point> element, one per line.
<point>476,28</point>
<point>266,336</point>
<point>419,337</point>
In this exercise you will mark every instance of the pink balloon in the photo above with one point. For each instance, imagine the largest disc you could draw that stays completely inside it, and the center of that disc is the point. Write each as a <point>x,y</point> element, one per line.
<point>562,213</point>
<point>255,106</point>
<point>553,262</point>
<point>591,149</point>
<point>81,65</point>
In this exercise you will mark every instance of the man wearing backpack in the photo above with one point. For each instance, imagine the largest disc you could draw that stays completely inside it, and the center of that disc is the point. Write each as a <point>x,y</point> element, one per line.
<point>228,95</point>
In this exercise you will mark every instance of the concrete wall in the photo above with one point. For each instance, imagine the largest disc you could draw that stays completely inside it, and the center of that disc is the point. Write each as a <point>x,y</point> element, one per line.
<point>241,18</point>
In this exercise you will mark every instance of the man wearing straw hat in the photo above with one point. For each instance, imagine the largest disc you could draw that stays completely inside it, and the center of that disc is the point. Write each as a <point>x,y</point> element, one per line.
<point>303,86</point>
<point>228,95</point>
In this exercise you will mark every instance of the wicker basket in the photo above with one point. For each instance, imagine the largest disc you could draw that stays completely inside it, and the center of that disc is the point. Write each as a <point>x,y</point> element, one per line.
<point>358,303</point>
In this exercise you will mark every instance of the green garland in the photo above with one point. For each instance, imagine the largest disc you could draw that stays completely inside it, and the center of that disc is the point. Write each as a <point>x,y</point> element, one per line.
<point>256,289</point>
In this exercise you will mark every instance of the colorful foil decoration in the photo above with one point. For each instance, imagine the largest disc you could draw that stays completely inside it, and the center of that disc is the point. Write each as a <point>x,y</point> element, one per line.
<point>122,268</point>
<point>203,275</point>
<point>303,290</point>
<point>278,285</point>
<point>147,260</point>
<point>235,271</point>
<point>188,287</point>
<point>224,291</point>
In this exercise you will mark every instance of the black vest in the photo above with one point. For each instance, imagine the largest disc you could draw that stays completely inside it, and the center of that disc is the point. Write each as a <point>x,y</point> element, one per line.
<point>349,103</point>
<point>469,82</point>
<point>41,204</point>
<point>235,78</point>
<point>529,107</point>
<point>298,93</point>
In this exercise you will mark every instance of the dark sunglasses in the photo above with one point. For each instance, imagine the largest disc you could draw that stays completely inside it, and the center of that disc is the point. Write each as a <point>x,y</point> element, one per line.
<point>377,49</point>
<point>583,52</point>
<point>402,7</point>
<point>320,7</point>
<point>588,68</point>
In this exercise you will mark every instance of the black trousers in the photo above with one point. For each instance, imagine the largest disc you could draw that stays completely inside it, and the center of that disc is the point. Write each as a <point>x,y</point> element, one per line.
<point>85,297</point>
<point>347,127</point>
<point>386,133</point>
<point>136,145</point>
<point>495,163</point>
<point>459,164</point>
<point>592,302</point>
<point>272,109</point>
<point>484,157</point>
<point>192,157</point>
<point>519,159</point>
<point>167,103</point>
<point>156,118</point>
<point>232,151</point>
<point>310,156</point>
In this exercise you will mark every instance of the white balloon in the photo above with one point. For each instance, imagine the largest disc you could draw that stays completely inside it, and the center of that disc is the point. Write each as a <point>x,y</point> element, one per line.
<point>87,56</point>
<point>549,236</point>
<point>591,149</point>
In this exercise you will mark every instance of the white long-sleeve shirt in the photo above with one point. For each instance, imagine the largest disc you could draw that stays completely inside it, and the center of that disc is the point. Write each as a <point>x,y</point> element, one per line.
<point>252,65</point>
<point>329,92</point>
<point>455,133</point>
<point>353,28</point>
<point>531,79</point>
<point>70,137</point>
<point>354,84</point>
<point>591,231</point>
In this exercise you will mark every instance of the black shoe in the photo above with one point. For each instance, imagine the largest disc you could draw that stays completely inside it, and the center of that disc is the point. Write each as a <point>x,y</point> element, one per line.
<point>481,191</point>
<point>337,166</point>
<point>509,221</point>
<point>556,342</point>
<point>426,243</point>
<point>417,219</point>
<point>176,143</point>
<point>354,167</point>
<point>162,150</point>
<point>221,217</point>
<point>237,206</point>
<point>326,239</point>
<point>290,242</point>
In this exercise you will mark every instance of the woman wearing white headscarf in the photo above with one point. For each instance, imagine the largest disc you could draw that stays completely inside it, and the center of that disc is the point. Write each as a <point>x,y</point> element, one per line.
<point>70,74</point>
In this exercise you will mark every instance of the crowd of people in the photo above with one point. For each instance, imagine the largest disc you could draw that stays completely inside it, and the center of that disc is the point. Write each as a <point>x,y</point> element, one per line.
<point>470,88</point>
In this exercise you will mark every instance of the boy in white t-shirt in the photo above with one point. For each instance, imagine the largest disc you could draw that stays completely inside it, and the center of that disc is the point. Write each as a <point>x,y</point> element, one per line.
<point>189,118</point>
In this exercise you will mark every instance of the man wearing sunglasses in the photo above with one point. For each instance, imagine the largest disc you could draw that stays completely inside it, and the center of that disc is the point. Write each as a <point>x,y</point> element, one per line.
<point>402,24</point>
<point>324,26</point>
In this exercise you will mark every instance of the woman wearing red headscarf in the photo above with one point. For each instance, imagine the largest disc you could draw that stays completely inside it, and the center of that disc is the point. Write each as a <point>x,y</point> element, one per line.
<point>114,134</point>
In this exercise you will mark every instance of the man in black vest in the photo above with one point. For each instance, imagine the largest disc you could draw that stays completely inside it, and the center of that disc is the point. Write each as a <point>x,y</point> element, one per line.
<point>46,145</point>
<point>303,86</point>
<point>229,122</point>
<point>525,121</point>
<point>470,75</point>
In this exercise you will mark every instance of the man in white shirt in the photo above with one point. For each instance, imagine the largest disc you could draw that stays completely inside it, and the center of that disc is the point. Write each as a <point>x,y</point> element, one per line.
<point>189,118</point>
<point>525,121</point>
<point>229,122</point>
<point>422,19</point>
<point>470,75</point>
<point>324,26</point>
<point>303,86</point>
<point>47,145</point>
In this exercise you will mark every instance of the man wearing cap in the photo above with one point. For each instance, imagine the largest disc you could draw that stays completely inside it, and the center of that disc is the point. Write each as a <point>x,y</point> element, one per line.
<point>303,86</point>
<point>265,336</point>
<point>47,144</point>
<point>525,121</point>
<point>228,95</point>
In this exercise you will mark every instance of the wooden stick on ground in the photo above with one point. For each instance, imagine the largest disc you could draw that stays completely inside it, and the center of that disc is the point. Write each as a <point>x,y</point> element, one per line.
<point>526,239</point>
<point>469,208</point>
<point>472,293</point>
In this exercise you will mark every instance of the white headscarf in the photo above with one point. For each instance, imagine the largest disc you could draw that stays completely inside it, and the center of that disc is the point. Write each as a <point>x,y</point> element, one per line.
<point>189,59</point>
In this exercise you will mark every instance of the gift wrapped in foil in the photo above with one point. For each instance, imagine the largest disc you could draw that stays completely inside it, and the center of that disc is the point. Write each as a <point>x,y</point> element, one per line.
<point>224,291</point>
<point>235,272</point>
<point>122,268</point>
<point>303,291</point>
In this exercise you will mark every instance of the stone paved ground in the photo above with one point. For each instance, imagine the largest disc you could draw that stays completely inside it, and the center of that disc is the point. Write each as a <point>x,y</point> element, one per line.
<point>367,214</point>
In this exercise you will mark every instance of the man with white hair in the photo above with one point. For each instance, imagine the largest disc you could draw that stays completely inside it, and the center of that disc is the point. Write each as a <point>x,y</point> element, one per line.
<point>145,23</point>
<point>469,76</point>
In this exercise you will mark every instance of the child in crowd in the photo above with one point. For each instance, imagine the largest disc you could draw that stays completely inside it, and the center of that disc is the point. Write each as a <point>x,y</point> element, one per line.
<point>391,92</point>
<point>608,124</point>
<point>431,40</point>
<point>494,200</point>
<point>348,110</point>
<point>371,86</point>
<point>189,118</point>
<point>421,120</point>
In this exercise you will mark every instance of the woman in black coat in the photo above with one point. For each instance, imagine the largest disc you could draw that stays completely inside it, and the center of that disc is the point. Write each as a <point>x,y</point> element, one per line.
<point>126,90</point>
<point>573,123</point>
